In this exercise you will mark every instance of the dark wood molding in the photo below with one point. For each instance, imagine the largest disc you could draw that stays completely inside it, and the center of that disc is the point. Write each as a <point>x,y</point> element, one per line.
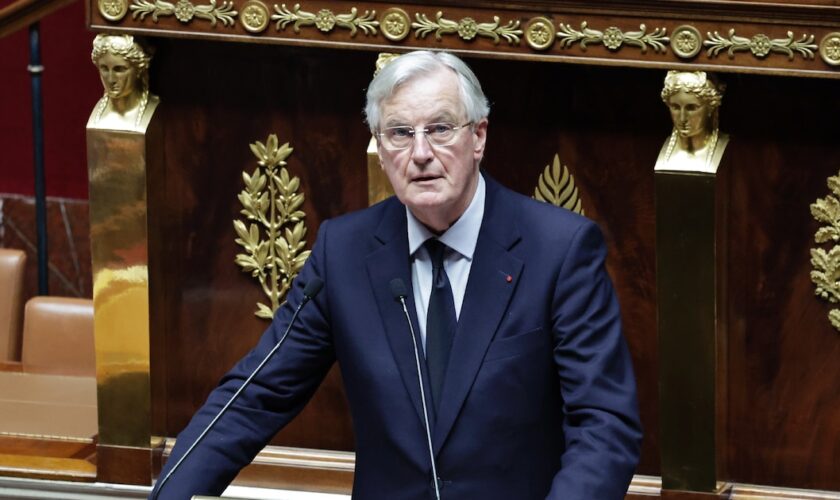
<point>22,13</point>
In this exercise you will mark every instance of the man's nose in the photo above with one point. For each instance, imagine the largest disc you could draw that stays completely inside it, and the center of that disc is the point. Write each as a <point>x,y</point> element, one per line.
<point>421,152</point>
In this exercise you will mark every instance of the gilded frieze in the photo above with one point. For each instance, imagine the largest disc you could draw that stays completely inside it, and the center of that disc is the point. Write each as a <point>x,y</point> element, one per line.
<point>325,20</point>
<point>612,37</point>
<point>273,238</point>
<point>826,264</point>
<point>556,185</point>
<point>185,11</point>
<point>467,28</point>
<point>660,41</point>
<point>830,49</point>
<point>760,45</point>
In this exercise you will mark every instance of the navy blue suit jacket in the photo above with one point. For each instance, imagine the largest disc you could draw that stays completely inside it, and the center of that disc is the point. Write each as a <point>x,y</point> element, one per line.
<point>539,399</point>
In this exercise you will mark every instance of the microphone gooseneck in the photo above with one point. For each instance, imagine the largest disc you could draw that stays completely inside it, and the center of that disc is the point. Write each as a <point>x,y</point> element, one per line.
<point>400,292</point>
<point>310,290</point>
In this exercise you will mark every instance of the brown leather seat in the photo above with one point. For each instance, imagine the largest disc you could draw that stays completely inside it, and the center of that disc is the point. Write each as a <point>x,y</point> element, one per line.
<point>58,336</point>
<point>12,264</point>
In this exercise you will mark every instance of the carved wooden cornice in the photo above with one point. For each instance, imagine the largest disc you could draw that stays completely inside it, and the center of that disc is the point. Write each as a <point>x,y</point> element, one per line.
<point>798,39</point>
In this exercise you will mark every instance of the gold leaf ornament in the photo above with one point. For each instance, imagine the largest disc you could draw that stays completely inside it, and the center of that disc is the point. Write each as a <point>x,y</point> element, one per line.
<point>613,37</point>
<point>760,45</point>
<point>273,232</point>
<point>325,20</point>
<point>826,263</point>
<point>467,28</point>
<point>557,186</point>
<point>184,11</point>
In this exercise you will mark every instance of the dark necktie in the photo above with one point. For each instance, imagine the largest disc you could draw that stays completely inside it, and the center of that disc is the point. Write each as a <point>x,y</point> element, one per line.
<point>440,320</point>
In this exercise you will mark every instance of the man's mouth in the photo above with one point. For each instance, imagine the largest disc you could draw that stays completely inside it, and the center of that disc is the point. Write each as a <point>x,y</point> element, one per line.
<point>425,178</point>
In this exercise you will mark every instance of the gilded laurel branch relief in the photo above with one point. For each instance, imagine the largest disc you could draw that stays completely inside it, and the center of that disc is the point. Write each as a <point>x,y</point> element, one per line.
<point>826,263</point>
<point>274,237</point>
<point>185,11</point>
<point>325,20</point>
<point>557,186</point>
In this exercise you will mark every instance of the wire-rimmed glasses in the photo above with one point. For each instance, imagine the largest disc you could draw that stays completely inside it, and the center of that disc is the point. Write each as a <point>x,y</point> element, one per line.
<point>402,137</point>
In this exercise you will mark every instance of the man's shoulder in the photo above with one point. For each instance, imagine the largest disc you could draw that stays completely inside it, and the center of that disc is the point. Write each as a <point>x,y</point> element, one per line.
<point>537,216</point>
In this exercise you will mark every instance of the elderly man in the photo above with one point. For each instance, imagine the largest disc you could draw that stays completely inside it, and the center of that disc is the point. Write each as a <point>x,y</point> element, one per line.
<point>523,386</point>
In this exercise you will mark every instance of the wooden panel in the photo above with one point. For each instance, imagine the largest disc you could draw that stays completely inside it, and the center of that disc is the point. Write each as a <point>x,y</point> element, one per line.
<point>784,406</point>
<point>230,97</point>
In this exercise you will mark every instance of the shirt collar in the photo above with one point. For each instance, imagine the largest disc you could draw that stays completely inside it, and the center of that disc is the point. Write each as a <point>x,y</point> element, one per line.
<point>462,236</point>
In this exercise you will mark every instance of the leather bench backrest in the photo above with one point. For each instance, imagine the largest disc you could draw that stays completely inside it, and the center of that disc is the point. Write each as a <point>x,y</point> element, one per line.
<point>58,336</point>
<point>12,263</point>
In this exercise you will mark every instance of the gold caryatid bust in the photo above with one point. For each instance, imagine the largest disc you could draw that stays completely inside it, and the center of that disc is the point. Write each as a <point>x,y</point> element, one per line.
<point>123,66</point>
<point>696,144</point>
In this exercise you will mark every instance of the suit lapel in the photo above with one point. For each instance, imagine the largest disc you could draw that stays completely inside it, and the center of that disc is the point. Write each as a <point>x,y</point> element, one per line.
<point>493,277</point>
<point>389,261</point>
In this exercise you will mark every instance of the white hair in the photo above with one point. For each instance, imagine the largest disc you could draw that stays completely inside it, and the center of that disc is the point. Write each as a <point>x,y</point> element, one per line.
<point>423,62</point>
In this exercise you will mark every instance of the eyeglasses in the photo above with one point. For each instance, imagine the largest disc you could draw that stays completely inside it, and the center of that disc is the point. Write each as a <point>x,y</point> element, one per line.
<point>438,134</point>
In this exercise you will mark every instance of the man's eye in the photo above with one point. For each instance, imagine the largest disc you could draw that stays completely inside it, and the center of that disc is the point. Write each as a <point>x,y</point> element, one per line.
<point>440,128</point>
<point>401,132</point>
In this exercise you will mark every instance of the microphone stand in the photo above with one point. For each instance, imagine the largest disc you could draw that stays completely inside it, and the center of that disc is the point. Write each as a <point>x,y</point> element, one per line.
<point>400,292</point>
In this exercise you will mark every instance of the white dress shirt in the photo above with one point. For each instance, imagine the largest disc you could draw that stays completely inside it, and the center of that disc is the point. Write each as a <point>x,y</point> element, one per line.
<point>461,239</point>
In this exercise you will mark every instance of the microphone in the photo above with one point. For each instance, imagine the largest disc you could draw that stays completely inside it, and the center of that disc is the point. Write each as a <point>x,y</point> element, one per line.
<point>400,292</point>
<point>310,290</point>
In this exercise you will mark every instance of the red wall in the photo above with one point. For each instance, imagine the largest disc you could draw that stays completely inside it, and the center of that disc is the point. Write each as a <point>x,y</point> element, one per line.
<point>70,89</point>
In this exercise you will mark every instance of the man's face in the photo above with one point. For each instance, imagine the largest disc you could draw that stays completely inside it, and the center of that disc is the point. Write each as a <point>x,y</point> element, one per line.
<point>435,182</point>
<point>691,116</point>
<point>118,76</point>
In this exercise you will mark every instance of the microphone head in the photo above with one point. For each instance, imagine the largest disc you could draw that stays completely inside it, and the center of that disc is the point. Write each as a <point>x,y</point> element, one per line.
<point>398,289</point>
<point>312,288</point>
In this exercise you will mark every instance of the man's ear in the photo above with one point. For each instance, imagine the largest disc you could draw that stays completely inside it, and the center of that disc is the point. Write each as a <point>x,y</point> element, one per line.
<point>480,139</point>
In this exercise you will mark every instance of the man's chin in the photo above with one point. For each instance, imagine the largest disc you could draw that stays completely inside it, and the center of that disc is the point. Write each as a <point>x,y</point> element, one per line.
<point>425,203</point>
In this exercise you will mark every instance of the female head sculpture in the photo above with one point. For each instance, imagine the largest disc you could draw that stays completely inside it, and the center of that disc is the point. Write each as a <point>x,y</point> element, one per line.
<point>123,66</point>
<point>693,99</point>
